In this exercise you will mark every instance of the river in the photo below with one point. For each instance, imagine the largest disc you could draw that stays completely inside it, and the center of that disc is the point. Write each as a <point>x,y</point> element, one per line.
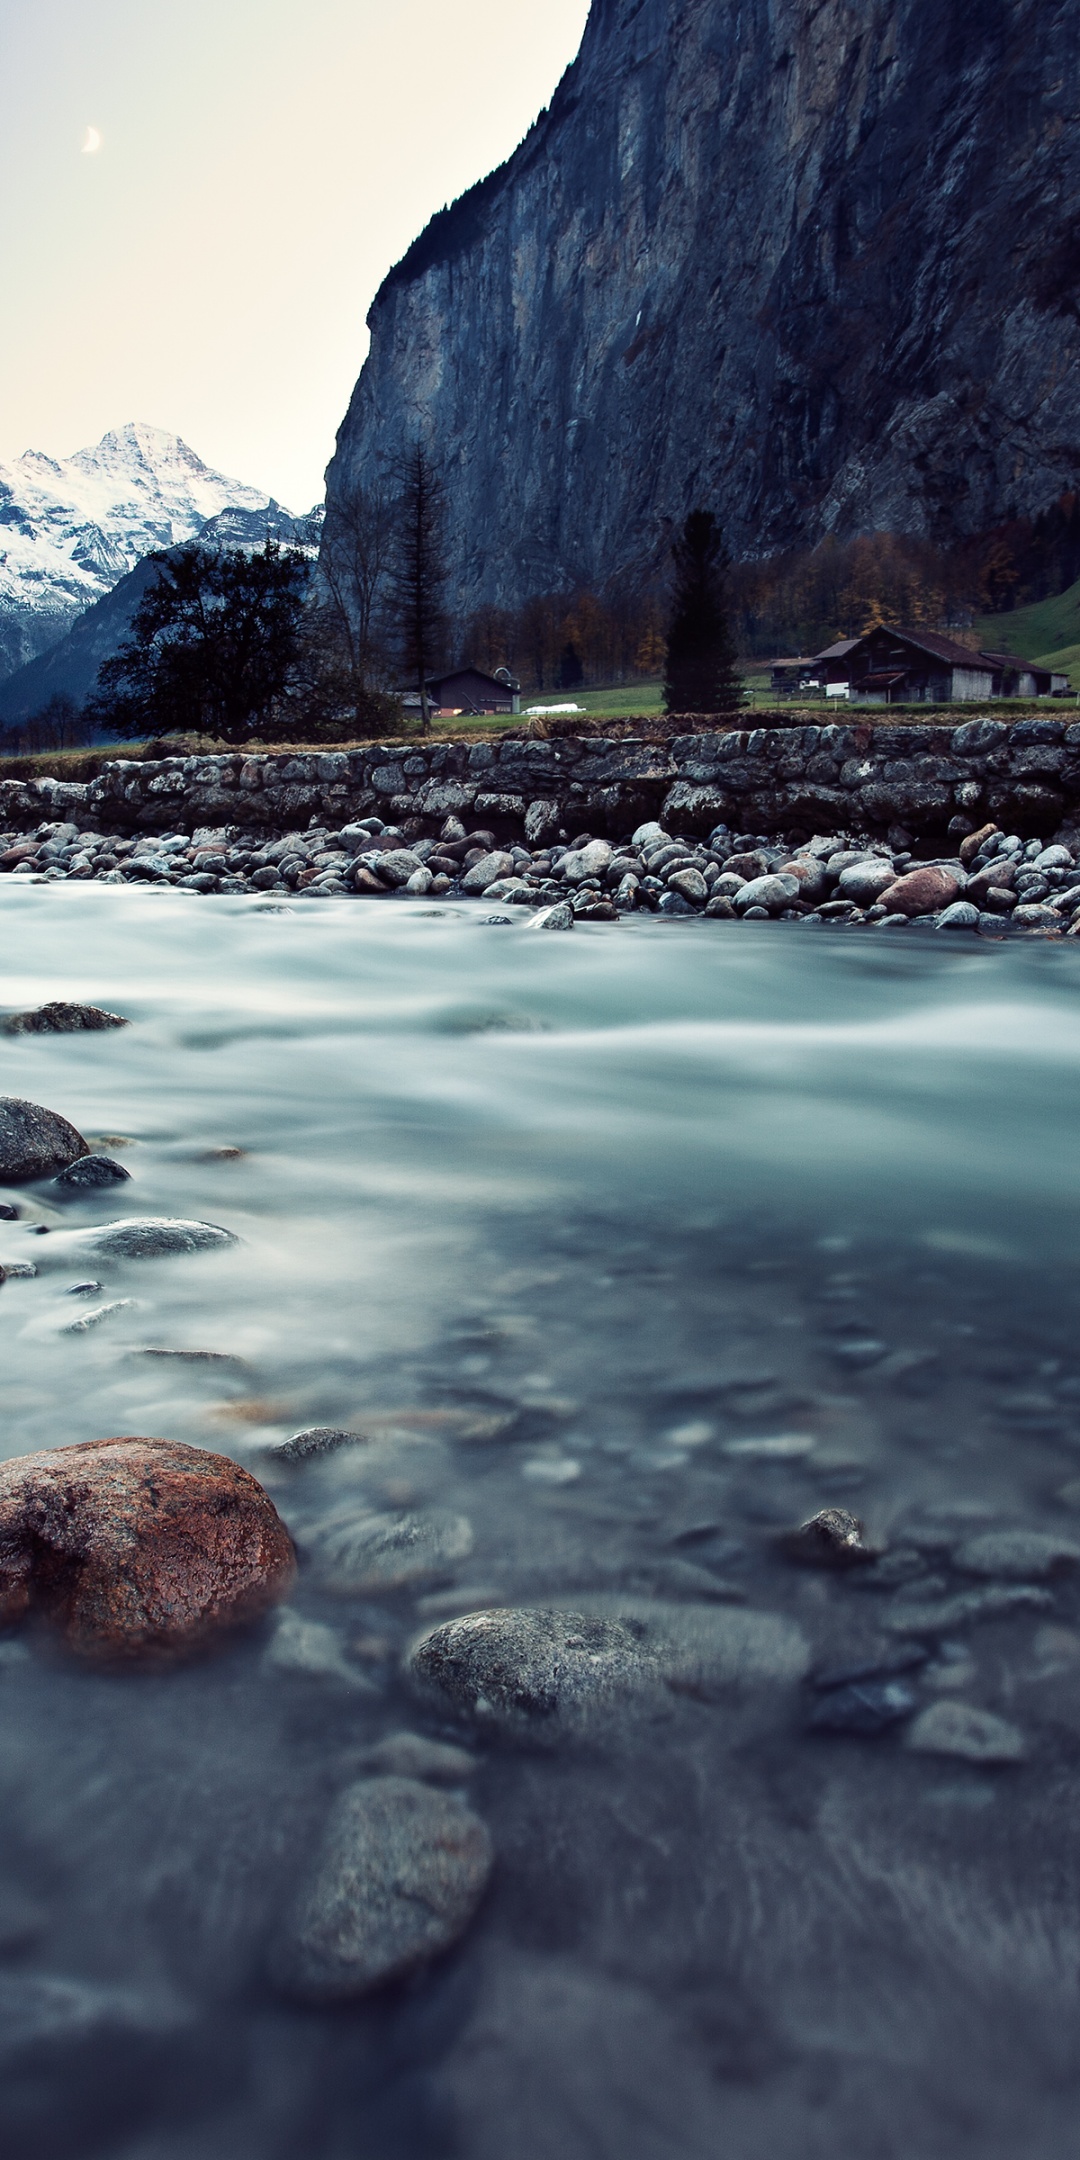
<point>634,1247</point>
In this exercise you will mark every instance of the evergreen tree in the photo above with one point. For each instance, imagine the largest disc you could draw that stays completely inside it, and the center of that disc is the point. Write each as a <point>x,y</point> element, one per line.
<point>701,674</point>
<point>571,671</point>
<point>417,619</point>
<point>211,644</point>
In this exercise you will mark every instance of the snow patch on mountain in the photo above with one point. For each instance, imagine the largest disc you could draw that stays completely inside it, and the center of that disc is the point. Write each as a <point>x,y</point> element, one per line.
<point>71,528</point>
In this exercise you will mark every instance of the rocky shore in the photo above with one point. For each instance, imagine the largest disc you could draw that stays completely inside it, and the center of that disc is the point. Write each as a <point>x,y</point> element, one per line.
<point>996,882</point>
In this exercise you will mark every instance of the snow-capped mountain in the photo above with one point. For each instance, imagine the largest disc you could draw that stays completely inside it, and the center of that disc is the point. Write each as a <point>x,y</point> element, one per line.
<point>71,528</point>
<point>69,667</point>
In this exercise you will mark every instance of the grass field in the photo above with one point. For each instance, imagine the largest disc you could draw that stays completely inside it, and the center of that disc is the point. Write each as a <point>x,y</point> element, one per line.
<point>1048,631</point>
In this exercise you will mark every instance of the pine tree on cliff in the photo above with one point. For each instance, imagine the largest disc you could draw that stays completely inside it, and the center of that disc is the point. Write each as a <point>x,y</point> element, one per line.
<point>700,674</point>
<point>417,620</point>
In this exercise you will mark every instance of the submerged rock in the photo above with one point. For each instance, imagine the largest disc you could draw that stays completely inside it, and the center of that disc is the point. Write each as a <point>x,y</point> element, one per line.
<point>400,1876</point>
<point>832,1539</point>
<point>938,1616</point>
<point>531,1673</point>
<point>957,1728</point>
<point>90,1171</point>
<point>35,1143</point>
<point>538,1674</point>
<point>863,1707</point>
<point>1018,1555</point>
<point>407,1754</point>
<point>558,917</point>
<point>137,1550</point>
<point>141,1237</point>
<point>311,1650</point>
<point>358,1552</point>
<point>61,1019</point>
<point>314,1441</point>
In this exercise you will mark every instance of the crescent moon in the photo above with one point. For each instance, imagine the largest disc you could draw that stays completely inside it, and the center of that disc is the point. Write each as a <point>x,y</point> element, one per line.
<point>91,142</point>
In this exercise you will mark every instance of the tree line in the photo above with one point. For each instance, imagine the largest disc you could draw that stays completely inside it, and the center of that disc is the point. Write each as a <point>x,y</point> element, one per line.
<point>234,644</point>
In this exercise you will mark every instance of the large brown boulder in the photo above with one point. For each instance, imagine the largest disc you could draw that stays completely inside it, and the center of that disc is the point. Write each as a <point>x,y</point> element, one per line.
<point>922,891</point>
<point>138,1550</point>
<point>35,1143</point>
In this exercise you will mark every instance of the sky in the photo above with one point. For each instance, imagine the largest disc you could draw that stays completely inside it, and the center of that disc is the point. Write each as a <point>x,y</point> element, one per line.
<point>201,198</point>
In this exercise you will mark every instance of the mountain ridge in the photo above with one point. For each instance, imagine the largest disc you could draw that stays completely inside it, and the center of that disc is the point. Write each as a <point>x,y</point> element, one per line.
<point>71,528</point>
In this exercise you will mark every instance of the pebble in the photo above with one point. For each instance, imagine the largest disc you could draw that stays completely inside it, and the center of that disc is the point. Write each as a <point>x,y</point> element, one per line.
<point>60,1019</point>
<point>311,1649</point>
<point>314,1441</point>
<point>35,1143</point>
<point>137,1550</point>
<point>401,1873</point>
<point>864,1707</point>
<point>962,915</point>
<point>408,1754</point>
<point>559,917</point>
<point>772,1447</point>
<point>968,1606</point>
<point>957,1728</point>
<point>1018,1555</point>
<point>359,1553</point>
<point>832,1539</point>
<point>94,1319</point>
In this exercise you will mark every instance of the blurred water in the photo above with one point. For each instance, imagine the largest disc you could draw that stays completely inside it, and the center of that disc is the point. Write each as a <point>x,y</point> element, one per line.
<point>616,1200</point>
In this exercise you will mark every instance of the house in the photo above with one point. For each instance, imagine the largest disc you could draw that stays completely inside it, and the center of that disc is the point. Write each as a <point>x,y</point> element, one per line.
<point>469,690</point>
<point>912,667</point>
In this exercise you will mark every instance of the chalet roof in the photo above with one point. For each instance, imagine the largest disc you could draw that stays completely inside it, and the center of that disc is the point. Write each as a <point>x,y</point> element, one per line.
<point>925,641</point>
<point>496,682</point>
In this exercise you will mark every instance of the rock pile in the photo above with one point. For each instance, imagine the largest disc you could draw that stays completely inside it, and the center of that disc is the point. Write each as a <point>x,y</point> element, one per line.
<point>997,881</point>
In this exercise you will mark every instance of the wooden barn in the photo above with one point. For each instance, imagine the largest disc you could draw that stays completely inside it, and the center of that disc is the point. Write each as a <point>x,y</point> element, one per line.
<point>911,667</point>
<point>470,690</point>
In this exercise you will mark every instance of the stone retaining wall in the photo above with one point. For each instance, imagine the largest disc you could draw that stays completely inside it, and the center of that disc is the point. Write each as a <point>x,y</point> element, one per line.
<point>761,780</point>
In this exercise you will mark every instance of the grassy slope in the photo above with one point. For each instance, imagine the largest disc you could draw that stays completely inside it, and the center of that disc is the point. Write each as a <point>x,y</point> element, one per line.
<point>1048,631</point>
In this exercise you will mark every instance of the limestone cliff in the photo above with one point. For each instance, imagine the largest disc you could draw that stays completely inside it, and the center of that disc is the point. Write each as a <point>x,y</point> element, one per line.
<point>816,262</point>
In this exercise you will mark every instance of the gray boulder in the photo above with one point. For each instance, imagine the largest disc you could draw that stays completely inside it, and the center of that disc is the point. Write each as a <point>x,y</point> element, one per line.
<point>401,1873</point>
<point>487,871</point>
<point>35,1143</point>
<point>774,892</point>
<point>864,882</point>
<point>540,1675</point>
<point>149,1237</point>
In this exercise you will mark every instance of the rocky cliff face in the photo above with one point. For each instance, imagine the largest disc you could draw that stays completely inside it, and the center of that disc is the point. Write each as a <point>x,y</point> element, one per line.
<point>816,264</point>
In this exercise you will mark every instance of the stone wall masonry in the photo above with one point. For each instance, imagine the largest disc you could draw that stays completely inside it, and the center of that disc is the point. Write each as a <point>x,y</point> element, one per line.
<point>767,780</point>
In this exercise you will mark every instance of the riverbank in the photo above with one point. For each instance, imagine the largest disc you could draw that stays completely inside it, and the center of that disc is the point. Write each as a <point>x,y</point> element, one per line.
<point>997,883</point>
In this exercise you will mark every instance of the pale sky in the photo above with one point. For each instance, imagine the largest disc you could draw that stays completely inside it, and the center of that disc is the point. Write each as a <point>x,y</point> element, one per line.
<point>262,163</point>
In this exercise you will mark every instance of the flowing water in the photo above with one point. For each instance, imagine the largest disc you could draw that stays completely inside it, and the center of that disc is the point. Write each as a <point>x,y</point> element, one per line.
<point>633,1247</point>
